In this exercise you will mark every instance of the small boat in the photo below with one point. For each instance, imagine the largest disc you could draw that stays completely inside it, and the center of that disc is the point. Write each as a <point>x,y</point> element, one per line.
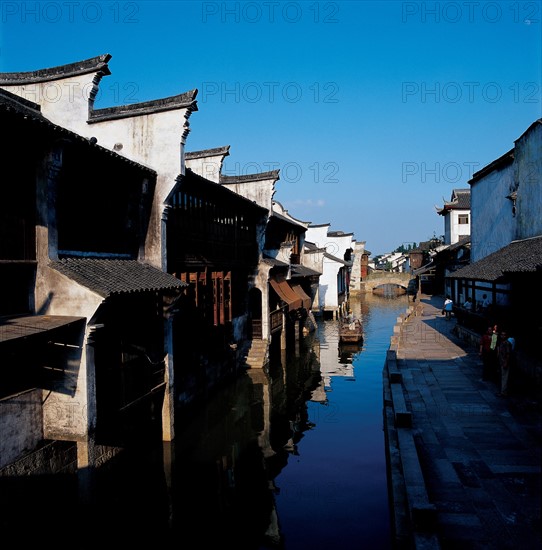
<point>350,332</point>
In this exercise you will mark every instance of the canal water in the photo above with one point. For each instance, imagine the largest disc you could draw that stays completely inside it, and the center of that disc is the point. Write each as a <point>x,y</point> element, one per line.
<point>292,458</point>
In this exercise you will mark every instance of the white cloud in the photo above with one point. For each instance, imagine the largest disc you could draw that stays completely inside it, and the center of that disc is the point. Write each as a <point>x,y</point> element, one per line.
<point>307,203</point>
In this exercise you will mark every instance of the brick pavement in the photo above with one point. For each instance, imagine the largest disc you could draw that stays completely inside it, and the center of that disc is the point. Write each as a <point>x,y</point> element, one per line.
<point>464,464</point>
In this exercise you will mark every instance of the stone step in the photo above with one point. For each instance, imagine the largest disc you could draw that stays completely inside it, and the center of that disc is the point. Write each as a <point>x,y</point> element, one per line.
<point>257,354</point>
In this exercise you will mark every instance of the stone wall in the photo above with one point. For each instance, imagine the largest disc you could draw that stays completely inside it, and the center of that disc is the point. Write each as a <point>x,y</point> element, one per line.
<point>21,425</point>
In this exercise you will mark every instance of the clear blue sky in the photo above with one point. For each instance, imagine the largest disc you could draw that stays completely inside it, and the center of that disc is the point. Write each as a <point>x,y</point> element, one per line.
<point>372,111</point>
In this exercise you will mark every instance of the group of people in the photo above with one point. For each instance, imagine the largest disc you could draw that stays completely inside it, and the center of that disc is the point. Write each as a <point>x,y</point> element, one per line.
<point>497,352</point>
<point>468,305</point>
<point>496,347</point>
<point>482,306</point>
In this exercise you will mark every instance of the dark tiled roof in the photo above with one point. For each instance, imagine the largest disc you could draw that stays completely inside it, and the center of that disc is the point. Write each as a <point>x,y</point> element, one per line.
<point>217,189</point>
<point>424,268</point>
<point>536,123</point>
<point>30,112</point>
<point>186,100</point>
<point>91,65</point>
<point>461,199</point>
<point>109,277</point>
<point>463,240</point>
<point>497,164</point>
<point>208,153</point>
<point>274,262</point>
<point>338,234</point>
<point>12,102</point>
<point>517,257</point>
<point>290,221</point>
<point>335,259</point>
<point>311,247</point>
<point>271,175</point>
<point>303,271</point>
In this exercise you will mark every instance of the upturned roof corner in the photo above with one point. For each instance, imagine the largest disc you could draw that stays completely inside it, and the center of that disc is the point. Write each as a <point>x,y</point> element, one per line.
<point>98,64</point>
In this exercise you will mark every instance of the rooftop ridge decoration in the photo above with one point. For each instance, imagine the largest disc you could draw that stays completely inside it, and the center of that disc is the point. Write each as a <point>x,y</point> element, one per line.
<point>180,101</point>
<point>208,152</point>
<point>272,174</point>
<point>92,65</point>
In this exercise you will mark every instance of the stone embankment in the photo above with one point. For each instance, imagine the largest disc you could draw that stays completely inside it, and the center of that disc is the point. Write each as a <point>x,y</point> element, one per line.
<point>464,464</point>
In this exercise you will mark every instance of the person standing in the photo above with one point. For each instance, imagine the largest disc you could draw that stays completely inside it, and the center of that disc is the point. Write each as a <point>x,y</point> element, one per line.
<point>487,355</point>
<point>504,354</point>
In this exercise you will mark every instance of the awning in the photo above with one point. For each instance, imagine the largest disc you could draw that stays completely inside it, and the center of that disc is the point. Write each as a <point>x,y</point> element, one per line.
<point>306,301</point>
<point>107,277</point>
<point>20,328</point>
<point>286,293</point>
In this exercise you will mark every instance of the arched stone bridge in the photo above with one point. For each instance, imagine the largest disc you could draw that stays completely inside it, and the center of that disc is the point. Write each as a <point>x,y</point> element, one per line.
<point>380,278</point>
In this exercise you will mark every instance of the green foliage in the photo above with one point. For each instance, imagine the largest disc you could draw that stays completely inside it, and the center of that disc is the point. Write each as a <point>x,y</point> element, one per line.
<point>405,248</point>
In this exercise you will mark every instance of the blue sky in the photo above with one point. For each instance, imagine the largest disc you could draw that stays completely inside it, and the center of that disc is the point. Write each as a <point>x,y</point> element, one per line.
<point>372,111</point>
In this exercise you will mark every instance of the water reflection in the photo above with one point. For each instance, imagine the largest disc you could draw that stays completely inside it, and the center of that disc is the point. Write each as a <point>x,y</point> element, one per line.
<point>347,353</point>
<point>293,457</point>
<point>230,453</point>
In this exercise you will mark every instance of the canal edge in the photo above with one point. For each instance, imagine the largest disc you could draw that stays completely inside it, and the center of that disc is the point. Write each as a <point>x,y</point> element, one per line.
<point>412,515</point>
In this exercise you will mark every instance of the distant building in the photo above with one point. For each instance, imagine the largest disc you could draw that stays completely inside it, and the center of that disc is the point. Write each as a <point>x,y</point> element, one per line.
<point>456,213</point>
<point>338,247</point>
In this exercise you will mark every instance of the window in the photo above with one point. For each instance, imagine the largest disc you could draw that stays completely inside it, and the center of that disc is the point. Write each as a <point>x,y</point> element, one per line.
<point>463,219</point>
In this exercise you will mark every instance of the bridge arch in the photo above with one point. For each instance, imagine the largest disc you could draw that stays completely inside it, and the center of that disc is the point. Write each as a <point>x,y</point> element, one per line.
<point>381,278</point>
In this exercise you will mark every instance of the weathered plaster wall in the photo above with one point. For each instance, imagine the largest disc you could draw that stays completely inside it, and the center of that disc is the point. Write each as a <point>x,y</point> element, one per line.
<point>261,282</point>
<point>493,225</point>
<point>21,426</point>
<point>313,260</point>
<point>285,251</point>
<point>63,101</point>
<point>68,413</point>
<point>528,174</point>
<point>157,141</point>
<point>259,191</point>
<point>208,167</point>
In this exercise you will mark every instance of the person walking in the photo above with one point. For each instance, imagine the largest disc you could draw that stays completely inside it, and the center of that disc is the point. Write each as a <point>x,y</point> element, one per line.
<point>504,354</point>
<point>448,306</point>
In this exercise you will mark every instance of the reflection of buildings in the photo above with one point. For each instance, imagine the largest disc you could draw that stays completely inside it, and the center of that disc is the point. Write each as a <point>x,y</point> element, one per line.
<point>230,454</point>
<point>329,344</point>
<point>348,352</point>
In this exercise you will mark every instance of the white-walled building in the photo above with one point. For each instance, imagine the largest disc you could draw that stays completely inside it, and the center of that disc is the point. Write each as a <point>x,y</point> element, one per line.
<point>506,229</point>
<point>337,247</point>
<point>456,214</point>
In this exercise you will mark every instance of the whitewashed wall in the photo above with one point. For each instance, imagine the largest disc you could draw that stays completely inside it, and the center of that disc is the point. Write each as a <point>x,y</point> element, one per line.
<point>493,225</point>
<point>528,173</point>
